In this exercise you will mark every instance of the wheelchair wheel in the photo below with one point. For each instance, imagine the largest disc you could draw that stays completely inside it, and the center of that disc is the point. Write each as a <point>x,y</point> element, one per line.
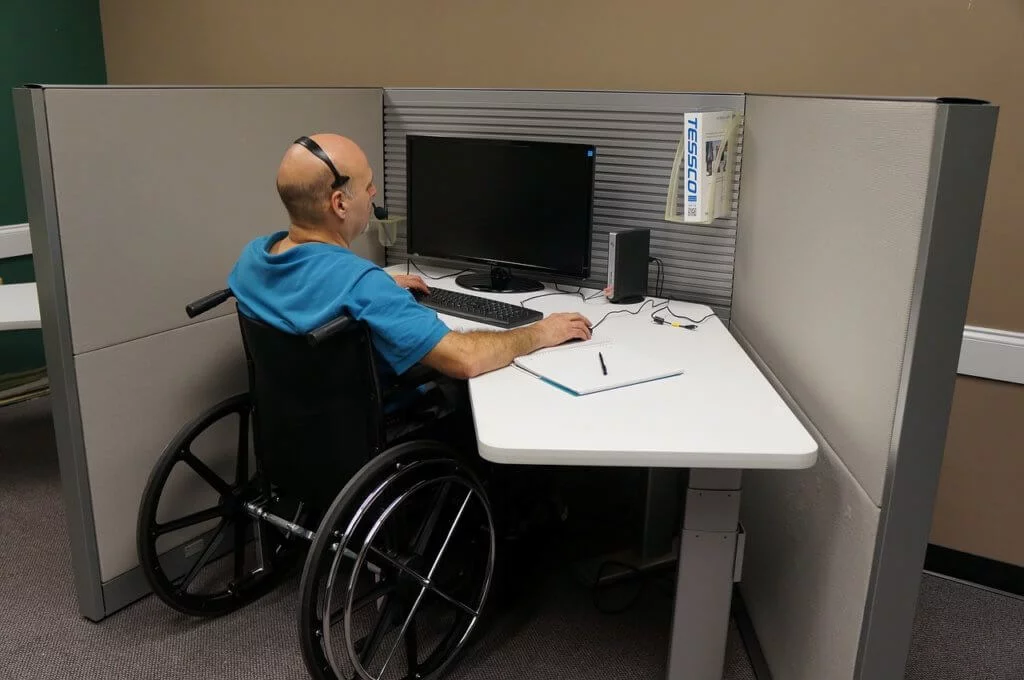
<point>200,551</point>
<point>400,570</point>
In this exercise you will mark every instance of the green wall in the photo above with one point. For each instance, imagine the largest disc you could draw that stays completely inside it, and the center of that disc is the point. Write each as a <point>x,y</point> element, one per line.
<point>41,41</point>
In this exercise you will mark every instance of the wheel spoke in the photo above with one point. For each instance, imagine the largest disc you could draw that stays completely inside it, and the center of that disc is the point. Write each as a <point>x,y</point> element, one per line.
<point>401,633</point>
<point>426,529</point>
<point>189,520</point>
<point>451,532</point>
<point>452,601</point>
<point>399,566</point>
<point>380,629</point>
<point>211,548</point>
<point>369,598</point>
<point>204,471</point>
<point>423,582</point>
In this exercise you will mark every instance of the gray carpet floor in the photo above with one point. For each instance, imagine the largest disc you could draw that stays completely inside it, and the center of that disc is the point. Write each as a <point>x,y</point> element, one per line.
<point>556,633</point>
<point>960,632</point>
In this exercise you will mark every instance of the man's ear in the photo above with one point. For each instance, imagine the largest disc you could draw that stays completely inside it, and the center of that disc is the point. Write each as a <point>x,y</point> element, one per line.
<point>339,204</point>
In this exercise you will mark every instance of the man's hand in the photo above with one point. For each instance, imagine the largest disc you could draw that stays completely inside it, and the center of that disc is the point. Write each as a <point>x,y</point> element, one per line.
<point>559,328</point>
<point>411,282</point>
<point>467,355</point>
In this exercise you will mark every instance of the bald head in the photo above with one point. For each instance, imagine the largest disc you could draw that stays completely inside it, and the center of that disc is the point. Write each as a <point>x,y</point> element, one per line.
<point>304,180</point>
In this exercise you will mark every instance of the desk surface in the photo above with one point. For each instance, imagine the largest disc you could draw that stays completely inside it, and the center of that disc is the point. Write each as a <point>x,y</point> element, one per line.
<point>19,306</point>
<point>721,413</point>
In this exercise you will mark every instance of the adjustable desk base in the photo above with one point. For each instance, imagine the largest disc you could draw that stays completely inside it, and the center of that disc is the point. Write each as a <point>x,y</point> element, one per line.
<point>707,568</point>
<point>709,559</point>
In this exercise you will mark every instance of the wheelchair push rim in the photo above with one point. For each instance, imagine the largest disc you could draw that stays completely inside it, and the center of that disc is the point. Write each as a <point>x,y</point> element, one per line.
<point>194,576</point>
<point>377,550</point>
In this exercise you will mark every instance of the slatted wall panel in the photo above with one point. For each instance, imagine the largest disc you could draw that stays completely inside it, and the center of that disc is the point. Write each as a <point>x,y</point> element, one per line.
<point>636,136</point>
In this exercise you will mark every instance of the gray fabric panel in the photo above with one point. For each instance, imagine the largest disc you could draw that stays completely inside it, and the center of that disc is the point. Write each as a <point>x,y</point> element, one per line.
<point>159,189</point>
<point>833,205</point>
<point>810,546</point>
<point>807,565</point>
<point>965,135</point>
<point>135,397</point>
<point>49,271</point>
<point>636,135</point>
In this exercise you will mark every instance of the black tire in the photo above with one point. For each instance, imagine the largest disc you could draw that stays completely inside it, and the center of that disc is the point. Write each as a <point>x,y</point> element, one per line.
<point>171,573</point>
<point>361,512</point>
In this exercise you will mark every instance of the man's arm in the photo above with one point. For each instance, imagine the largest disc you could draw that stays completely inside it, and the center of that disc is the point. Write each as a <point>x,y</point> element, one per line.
<point>467,355</point>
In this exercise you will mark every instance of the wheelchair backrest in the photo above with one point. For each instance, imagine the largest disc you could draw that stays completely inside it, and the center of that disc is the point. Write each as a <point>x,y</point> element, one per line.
<point>317,416</point>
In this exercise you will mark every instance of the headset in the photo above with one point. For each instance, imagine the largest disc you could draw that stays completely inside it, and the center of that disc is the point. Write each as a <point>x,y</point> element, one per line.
<point>379,212</point>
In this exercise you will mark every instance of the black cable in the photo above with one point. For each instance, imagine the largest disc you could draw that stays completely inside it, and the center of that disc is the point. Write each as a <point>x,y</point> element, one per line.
<point>644,578</point>
<point>591,297</point>
<point>598,586</point>
<point>409,261</point>
<point>664,307</point>
<point>559,291</point>
<point>622,311</point>
<point>578,291</point>
<point>659,277</point>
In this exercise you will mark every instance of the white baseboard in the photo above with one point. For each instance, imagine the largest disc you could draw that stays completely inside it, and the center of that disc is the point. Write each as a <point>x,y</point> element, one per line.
<point>14,241</point>
<point>993,354</point>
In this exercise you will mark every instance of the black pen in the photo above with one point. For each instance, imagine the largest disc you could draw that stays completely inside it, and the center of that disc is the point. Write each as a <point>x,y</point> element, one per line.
<point>604,369</point>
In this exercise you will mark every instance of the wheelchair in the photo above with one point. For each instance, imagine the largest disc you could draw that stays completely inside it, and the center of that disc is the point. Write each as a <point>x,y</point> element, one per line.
<point>395,529</point>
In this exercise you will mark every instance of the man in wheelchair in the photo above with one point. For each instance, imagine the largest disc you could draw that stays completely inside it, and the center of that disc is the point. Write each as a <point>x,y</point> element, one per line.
<point>299,279</point>
<point>399,566</point>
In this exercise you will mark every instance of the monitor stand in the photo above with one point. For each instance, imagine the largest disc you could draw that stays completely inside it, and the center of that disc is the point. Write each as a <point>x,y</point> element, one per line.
<point>500,280</point>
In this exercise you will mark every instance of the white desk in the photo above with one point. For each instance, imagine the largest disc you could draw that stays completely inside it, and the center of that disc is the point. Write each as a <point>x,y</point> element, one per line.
<point>718,418</point>
<point>19,306</point>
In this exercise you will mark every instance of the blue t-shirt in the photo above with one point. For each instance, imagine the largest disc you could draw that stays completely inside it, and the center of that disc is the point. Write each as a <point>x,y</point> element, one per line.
<point>308,285</point>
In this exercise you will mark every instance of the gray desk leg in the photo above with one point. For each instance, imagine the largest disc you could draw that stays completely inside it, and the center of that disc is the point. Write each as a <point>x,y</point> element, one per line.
<point>700,622</point>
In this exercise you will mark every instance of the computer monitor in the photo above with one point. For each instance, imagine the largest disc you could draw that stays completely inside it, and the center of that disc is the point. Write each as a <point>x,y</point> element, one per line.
<point>506,203</point>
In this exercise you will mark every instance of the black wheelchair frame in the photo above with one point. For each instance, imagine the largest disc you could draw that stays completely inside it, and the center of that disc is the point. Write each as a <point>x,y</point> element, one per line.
<point>397,533</point>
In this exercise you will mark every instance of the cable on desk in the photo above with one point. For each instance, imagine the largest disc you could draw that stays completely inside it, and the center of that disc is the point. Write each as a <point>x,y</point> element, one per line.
<point>409,261</point>
<point>631,312</point>
<point>591,297</point>
<point>559,291</point>
<point>578,291</point>
<point>664,307</point>
<point>522,303</point>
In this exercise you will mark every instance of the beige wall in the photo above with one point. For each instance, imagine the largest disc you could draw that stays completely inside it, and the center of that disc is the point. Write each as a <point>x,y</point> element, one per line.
<point>980,508</point>
<point>919,47</point>
<point>972,48</point>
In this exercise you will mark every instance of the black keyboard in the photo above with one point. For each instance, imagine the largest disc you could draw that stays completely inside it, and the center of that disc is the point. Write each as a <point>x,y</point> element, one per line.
<point>477,308</point>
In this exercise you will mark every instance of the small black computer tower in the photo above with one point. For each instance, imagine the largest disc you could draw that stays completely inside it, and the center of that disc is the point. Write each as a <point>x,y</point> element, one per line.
<point>628,253</point>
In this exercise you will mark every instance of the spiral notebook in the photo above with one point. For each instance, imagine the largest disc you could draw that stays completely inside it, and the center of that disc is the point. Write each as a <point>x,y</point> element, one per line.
<point>577,368</point>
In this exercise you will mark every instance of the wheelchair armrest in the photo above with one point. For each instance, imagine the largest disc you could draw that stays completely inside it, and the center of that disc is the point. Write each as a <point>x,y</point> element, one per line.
<point>318,335</point>
<point>417,375</point>
<point>205,304</point>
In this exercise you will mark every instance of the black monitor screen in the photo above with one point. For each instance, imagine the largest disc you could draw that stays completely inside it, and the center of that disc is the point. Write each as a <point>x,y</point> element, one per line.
<point>510,203</point>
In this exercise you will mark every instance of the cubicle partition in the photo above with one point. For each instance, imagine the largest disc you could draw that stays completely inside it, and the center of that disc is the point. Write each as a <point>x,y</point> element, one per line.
<point>140,200</point>
<point>636,134</point>
<point>845,271</point>
<point>858,228</point>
